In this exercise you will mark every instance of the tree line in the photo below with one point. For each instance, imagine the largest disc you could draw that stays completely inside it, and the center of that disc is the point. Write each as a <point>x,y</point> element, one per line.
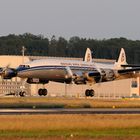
<point>74,47</point>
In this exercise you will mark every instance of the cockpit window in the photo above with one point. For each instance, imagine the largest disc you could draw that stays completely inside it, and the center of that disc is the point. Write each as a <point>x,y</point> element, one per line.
<point>24,66</point>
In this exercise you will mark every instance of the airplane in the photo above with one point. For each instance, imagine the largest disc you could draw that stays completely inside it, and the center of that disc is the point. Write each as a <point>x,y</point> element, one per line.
<point>72,71</point>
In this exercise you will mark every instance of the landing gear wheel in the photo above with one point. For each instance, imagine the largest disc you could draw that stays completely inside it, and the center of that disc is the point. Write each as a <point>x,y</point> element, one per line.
<point>89,93</point>
<point>22,93</point>
<point>42,92</point>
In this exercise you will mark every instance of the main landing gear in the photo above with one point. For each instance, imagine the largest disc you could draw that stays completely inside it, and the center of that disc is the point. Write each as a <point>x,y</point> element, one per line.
<point>22,94</point>
<point>42,92</point>
<point>89,93</point>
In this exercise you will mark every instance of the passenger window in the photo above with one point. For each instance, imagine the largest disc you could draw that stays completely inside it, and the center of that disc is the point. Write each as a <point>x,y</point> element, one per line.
<point>24,66</point>
<point>27,66</point>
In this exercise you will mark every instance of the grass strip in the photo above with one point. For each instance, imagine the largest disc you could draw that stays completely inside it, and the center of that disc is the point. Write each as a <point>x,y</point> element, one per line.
<point>38,102</point>
<point>133,132</point>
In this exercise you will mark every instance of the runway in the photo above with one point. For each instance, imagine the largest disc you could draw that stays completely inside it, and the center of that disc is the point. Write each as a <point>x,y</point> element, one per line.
<point>69,111</point>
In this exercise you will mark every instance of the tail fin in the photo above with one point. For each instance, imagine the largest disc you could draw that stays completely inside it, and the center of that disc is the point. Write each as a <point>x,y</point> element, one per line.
<point>88,56</point>
<point>121,60</point>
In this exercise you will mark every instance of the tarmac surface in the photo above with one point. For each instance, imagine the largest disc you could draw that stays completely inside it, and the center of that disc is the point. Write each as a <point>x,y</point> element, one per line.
<point>70,111</point>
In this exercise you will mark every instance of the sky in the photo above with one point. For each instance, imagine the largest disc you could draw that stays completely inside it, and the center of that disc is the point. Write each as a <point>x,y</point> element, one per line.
<point>98,19</point>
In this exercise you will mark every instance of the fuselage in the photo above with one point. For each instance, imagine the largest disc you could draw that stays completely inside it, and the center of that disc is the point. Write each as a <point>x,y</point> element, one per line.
<point>54,69</point>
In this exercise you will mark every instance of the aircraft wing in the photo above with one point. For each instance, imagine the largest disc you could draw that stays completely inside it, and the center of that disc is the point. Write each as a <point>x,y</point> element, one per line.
<point>110,75</point>
<point>130,65</point>
<point>126,71</point>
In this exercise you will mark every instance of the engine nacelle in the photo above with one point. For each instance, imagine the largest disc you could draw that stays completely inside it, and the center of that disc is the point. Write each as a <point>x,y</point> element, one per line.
<point>107,75</point>
<point>93,77</point>
<point>79,80</point>
<point>101,75</point>
<point>37,81</point>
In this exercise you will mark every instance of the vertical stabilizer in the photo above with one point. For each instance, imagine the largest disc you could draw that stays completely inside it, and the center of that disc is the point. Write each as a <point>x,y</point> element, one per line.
<point>121,60</point>
<point>88,56</point>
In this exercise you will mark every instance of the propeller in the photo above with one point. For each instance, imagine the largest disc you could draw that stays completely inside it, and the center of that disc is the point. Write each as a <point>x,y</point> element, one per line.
<point>7,72</point>
<point>69,72</point>
<point>69,75</point>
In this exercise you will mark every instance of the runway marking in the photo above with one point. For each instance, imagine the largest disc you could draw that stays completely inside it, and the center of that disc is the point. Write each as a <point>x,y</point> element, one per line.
<point>70,111</point>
